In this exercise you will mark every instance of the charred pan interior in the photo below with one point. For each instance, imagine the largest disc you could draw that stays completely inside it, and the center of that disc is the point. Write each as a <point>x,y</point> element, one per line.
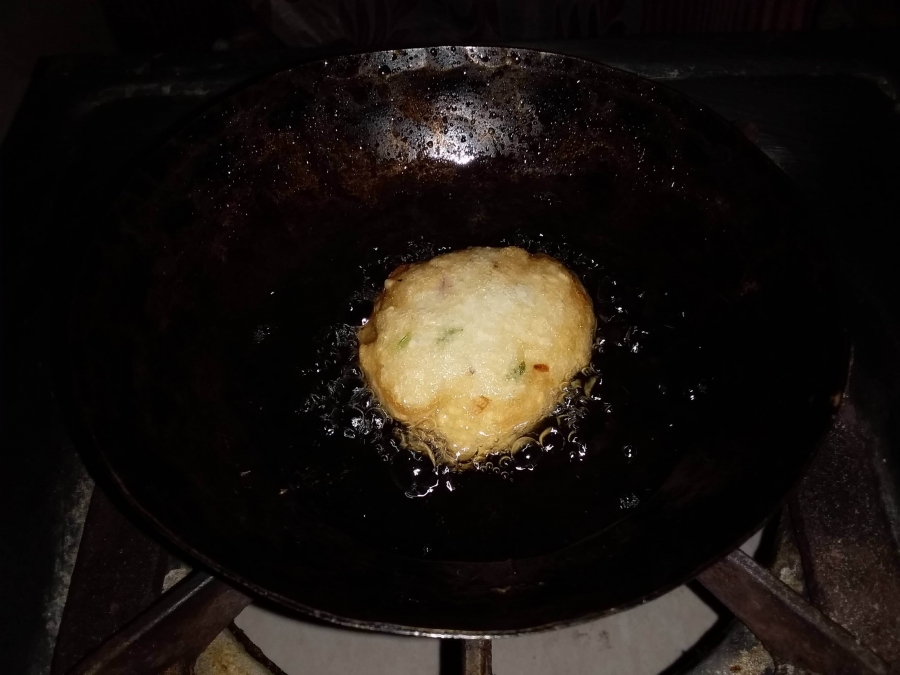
<point>255,231</point>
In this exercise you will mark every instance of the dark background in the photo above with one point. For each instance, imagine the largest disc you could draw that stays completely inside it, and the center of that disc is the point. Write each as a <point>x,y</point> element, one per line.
<point>30,29</point>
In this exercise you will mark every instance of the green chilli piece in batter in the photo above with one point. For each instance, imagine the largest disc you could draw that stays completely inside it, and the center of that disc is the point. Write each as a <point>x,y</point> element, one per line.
<point>448,334</point>
<point>403,341</point>
<point>517,372</point>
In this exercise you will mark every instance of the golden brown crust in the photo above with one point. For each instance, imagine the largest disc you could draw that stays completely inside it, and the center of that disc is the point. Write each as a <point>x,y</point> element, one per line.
<point>471,349</point>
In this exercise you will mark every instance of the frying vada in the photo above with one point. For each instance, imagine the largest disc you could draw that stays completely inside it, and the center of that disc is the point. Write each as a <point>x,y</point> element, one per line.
<point>472,348</point>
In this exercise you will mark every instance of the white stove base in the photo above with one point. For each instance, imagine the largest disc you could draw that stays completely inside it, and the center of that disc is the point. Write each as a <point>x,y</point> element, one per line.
<point>641,641</point>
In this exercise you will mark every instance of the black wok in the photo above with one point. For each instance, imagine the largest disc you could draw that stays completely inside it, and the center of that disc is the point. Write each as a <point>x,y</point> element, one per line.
<point>213,367</point>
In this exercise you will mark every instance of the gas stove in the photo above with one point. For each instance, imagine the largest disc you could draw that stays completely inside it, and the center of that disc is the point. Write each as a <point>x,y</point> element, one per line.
<point>79,574</point>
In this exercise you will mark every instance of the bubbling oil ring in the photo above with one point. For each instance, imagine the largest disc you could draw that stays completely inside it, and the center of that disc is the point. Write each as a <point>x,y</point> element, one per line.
<point>345,405</point>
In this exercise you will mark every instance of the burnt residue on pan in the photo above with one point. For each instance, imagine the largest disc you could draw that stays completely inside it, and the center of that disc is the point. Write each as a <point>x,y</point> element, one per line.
<point>202,326</point>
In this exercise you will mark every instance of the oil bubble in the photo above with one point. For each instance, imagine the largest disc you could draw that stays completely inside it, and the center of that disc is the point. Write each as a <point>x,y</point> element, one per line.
<point>551,439</point>
<point>527,458</point>
<point>629,501</point>
<point>410,471</point>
